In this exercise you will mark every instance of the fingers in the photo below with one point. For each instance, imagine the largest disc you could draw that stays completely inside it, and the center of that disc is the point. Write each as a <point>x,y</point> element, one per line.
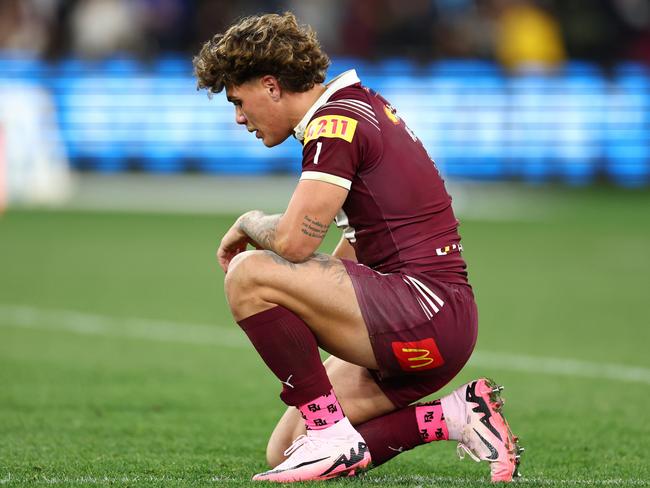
<point>233,242</point>
<point>224,259</point>
<point>223,262</point>
<point>225,256</point>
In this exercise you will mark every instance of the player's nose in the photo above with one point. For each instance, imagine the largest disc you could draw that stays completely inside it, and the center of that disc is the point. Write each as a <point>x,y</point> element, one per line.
<point>240,118</point>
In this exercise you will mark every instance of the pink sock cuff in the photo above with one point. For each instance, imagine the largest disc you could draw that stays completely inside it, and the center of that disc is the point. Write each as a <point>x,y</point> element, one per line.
<point>321,412</point>
<point>431,422</point>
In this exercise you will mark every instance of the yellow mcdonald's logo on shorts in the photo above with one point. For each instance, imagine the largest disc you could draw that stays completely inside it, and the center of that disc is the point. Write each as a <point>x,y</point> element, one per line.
<point>423,360</point>
<point>332,126</point>
<point>417,355</point>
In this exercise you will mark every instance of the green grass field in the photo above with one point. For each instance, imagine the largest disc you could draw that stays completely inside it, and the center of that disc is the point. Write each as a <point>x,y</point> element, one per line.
<point>120,364</point>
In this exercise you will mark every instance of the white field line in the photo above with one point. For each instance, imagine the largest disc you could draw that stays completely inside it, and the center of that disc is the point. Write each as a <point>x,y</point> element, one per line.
<point>130,327</point>
<point>414,480</point>
<point>213,335</point>
<point>560,366</point>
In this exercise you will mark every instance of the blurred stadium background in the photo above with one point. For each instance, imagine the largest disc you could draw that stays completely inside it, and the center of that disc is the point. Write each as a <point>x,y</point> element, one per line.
<point>119,361</point>
<point>496,89</point>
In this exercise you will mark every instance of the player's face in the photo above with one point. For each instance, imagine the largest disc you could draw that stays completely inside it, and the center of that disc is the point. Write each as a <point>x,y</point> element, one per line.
<point>258,106</point>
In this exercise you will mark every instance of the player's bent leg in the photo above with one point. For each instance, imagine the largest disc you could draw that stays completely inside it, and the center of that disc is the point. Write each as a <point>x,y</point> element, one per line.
<point>314,290</point>
<point>470,415</point>
<point>287,310</point>
<point>355,389</point>
<point>319,291</point>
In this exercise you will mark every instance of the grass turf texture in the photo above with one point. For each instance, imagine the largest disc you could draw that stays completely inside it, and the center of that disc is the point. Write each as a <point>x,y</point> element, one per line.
<point>113,409</point>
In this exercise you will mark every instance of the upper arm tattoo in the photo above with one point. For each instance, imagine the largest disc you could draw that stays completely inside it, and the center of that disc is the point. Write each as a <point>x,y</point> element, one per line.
<point>313,228</point>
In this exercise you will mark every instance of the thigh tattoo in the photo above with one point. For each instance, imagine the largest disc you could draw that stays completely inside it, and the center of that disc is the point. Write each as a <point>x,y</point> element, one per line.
<point>326,263</point>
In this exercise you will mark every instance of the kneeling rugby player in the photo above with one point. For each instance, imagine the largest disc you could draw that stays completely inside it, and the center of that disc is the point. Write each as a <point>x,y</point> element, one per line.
<point>392,304</point>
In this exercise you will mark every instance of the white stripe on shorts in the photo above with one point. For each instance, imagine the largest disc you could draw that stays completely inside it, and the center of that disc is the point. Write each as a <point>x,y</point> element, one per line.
<point>427,313</point>
<point>426,293</point>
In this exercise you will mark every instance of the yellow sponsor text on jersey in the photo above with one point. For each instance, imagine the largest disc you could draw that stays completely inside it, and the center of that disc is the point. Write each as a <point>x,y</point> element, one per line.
<point>332,126</point>
<point>391,114</point>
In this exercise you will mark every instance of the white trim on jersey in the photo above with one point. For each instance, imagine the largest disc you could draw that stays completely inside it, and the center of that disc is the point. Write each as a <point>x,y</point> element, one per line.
<point>361,103</point>
<point>426,293</point>
<point>362,107</point>
<point>354,110</point>
<point>347,78</point>
<point>327,178</point>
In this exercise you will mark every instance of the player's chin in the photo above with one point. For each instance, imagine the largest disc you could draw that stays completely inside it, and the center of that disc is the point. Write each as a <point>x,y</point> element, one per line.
<point>270,141</point>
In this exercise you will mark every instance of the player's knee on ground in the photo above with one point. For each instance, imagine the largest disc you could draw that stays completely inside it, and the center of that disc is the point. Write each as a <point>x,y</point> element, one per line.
<point>289,427</point>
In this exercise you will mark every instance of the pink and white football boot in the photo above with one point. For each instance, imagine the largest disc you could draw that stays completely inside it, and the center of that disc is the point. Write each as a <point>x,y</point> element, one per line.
<point>473,416</point>
<point>336,451</point>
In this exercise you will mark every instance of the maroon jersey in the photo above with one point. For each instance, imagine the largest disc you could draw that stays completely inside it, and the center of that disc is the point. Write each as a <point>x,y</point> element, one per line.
<point>397,214</point>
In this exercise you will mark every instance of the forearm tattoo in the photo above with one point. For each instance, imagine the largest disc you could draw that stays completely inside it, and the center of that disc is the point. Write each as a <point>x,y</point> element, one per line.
<point>260,228</point>
<point>313,228</point>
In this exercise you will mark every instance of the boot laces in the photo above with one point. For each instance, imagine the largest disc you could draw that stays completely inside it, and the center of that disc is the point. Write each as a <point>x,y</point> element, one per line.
<point>462,449</point>
<point>297,443</point>
<point>309,442</point>
<point>464,446</point>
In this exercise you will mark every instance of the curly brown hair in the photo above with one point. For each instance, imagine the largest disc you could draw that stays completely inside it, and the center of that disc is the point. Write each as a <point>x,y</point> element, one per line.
<point>259,45</point>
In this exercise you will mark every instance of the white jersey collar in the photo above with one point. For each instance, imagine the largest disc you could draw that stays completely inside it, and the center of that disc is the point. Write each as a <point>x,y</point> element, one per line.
<point>346,78</point>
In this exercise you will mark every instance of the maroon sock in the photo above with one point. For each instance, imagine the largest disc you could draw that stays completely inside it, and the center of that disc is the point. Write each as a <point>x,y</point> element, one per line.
<point>402,430</point>
<point>289,349</point>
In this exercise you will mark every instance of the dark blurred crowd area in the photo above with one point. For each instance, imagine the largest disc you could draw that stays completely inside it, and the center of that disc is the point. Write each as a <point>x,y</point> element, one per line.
<point>515,33</point>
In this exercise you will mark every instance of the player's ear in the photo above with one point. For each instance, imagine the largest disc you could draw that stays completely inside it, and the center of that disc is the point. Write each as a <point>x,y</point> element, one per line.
<point>272,87</point>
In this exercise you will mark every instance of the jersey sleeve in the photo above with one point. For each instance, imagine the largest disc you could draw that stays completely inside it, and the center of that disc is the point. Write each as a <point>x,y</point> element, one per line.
<point>334,147</point>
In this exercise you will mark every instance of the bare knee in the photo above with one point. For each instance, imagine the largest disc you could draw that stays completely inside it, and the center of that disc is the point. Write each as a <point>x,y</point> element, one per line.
<point>244,282</point>
<point>289,427</point>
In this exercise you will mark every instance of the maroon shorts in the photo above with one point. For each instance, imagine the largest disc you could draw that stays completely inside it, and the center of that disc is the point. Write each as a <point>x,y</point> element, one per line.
<point>422,330</point>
